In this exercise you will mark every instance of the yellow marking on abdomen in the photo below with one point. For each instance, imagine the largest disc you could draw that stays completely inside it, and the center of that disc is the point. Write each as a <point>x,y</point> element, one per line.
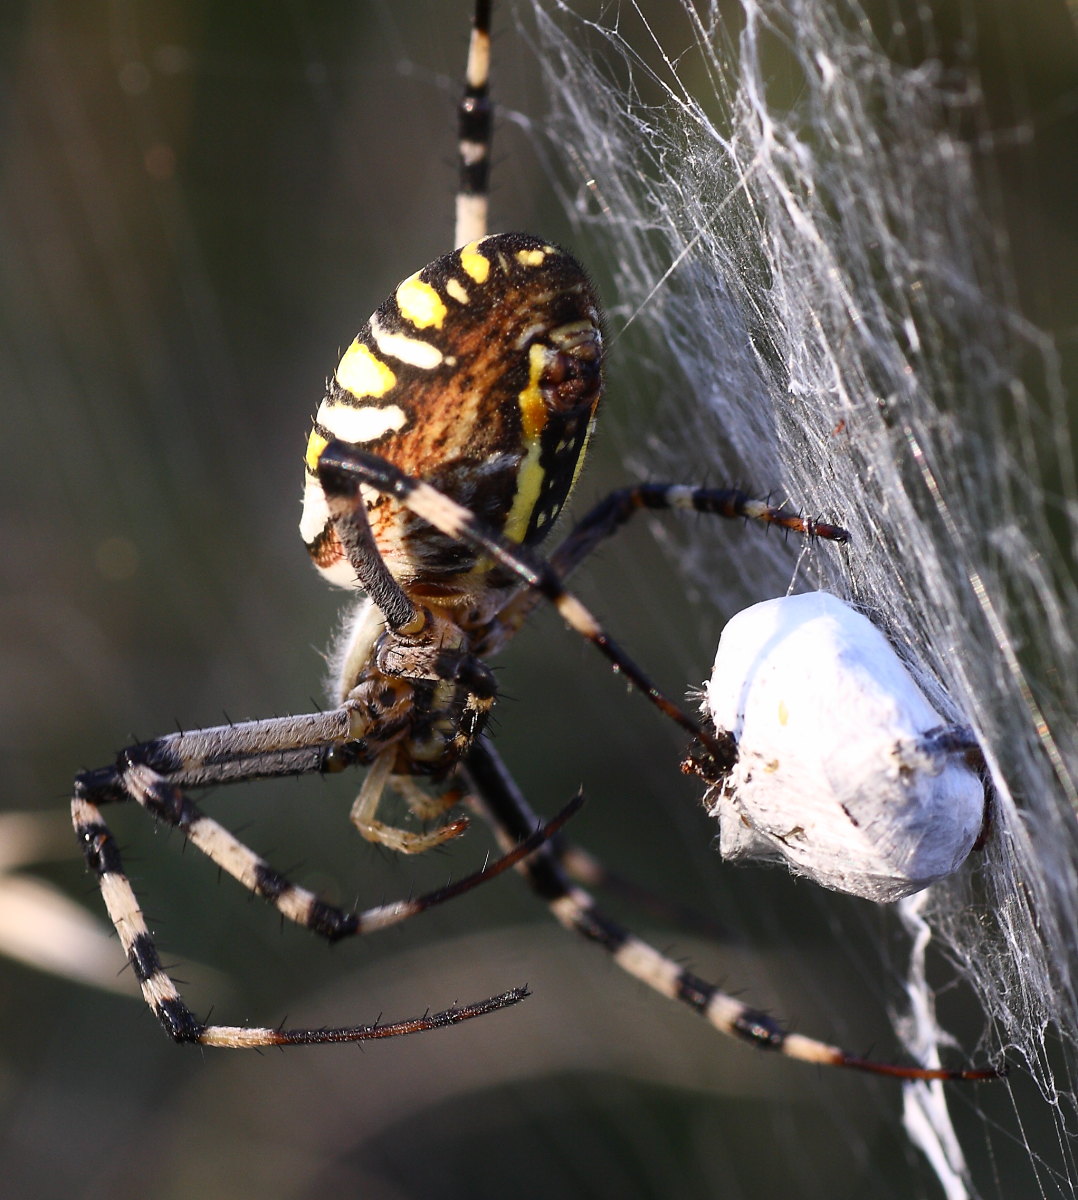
<point>316,443</point>
<point>529,485</point>
<point>475,265</point>
<point>533,418</point>
<point>533,411</point>
<point>420,303</point>
<point>362,374</point>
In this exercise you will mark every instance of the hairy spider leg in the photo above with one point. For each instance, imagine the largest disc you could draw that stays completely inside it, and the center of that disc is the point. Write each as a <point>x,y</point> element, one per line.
<point>258,749</point>
<point>343,468</point>
<point>605,519</point>
<point>496,795</point>
<point>617,508</point>
<point>475,122</point>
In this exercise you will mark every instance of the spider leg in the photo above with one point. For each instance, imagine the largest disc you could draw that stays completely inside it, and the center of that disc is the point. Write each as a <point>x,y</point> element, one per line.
<point>168,802</point>
<point>343,468</point>
<point>501,802</point>
<point>616,509</point>
<point>584,868</point>
<point>265,749</point>
<point>165,800</point>
<point>422,804</point>
<point>375,578</point>
<point>297,745</point>
<point>474,128</point>
<point>404,841</point>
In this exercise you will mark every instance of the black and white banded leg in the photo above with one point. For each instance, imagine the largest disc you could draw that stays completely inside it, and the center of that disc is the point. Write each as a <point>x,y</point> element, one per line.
<point>499,800</point>
<point>344,468</point>
<point>475,118</point>
<point>133,779</point>
<point>617,508</point>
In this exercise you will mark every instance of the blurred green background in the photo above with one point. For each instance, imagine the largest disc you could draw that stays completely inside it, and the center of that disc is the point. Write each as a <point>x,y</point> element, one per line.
<point>199,204</point>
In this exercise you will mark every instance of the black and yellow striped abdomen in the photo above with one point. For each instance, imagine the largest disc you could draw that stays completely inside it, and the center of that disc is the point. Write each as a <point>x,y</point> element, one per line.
<point>480,375</point>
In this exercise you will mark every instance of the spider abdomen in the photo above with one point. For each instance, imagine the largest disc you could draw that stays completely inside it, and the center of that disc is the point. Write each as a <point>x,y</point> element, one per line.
<point>480,375</point>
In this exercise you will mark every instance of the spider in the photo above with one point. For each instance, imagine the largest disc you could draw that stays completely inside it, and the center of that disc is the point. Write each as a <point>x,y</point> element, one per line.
<point>447,444</point>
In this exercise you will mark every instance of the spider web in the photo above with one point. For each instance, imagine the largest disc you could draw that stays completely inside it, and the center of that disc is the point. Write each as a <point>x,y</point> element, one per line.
<point>800,219</point>
<point>801,214</point>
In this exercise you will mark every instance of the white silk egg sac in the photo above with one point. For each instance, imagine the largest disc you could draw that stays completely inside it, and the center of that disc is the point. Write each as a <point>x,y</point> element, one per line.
<point>845,771</point>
